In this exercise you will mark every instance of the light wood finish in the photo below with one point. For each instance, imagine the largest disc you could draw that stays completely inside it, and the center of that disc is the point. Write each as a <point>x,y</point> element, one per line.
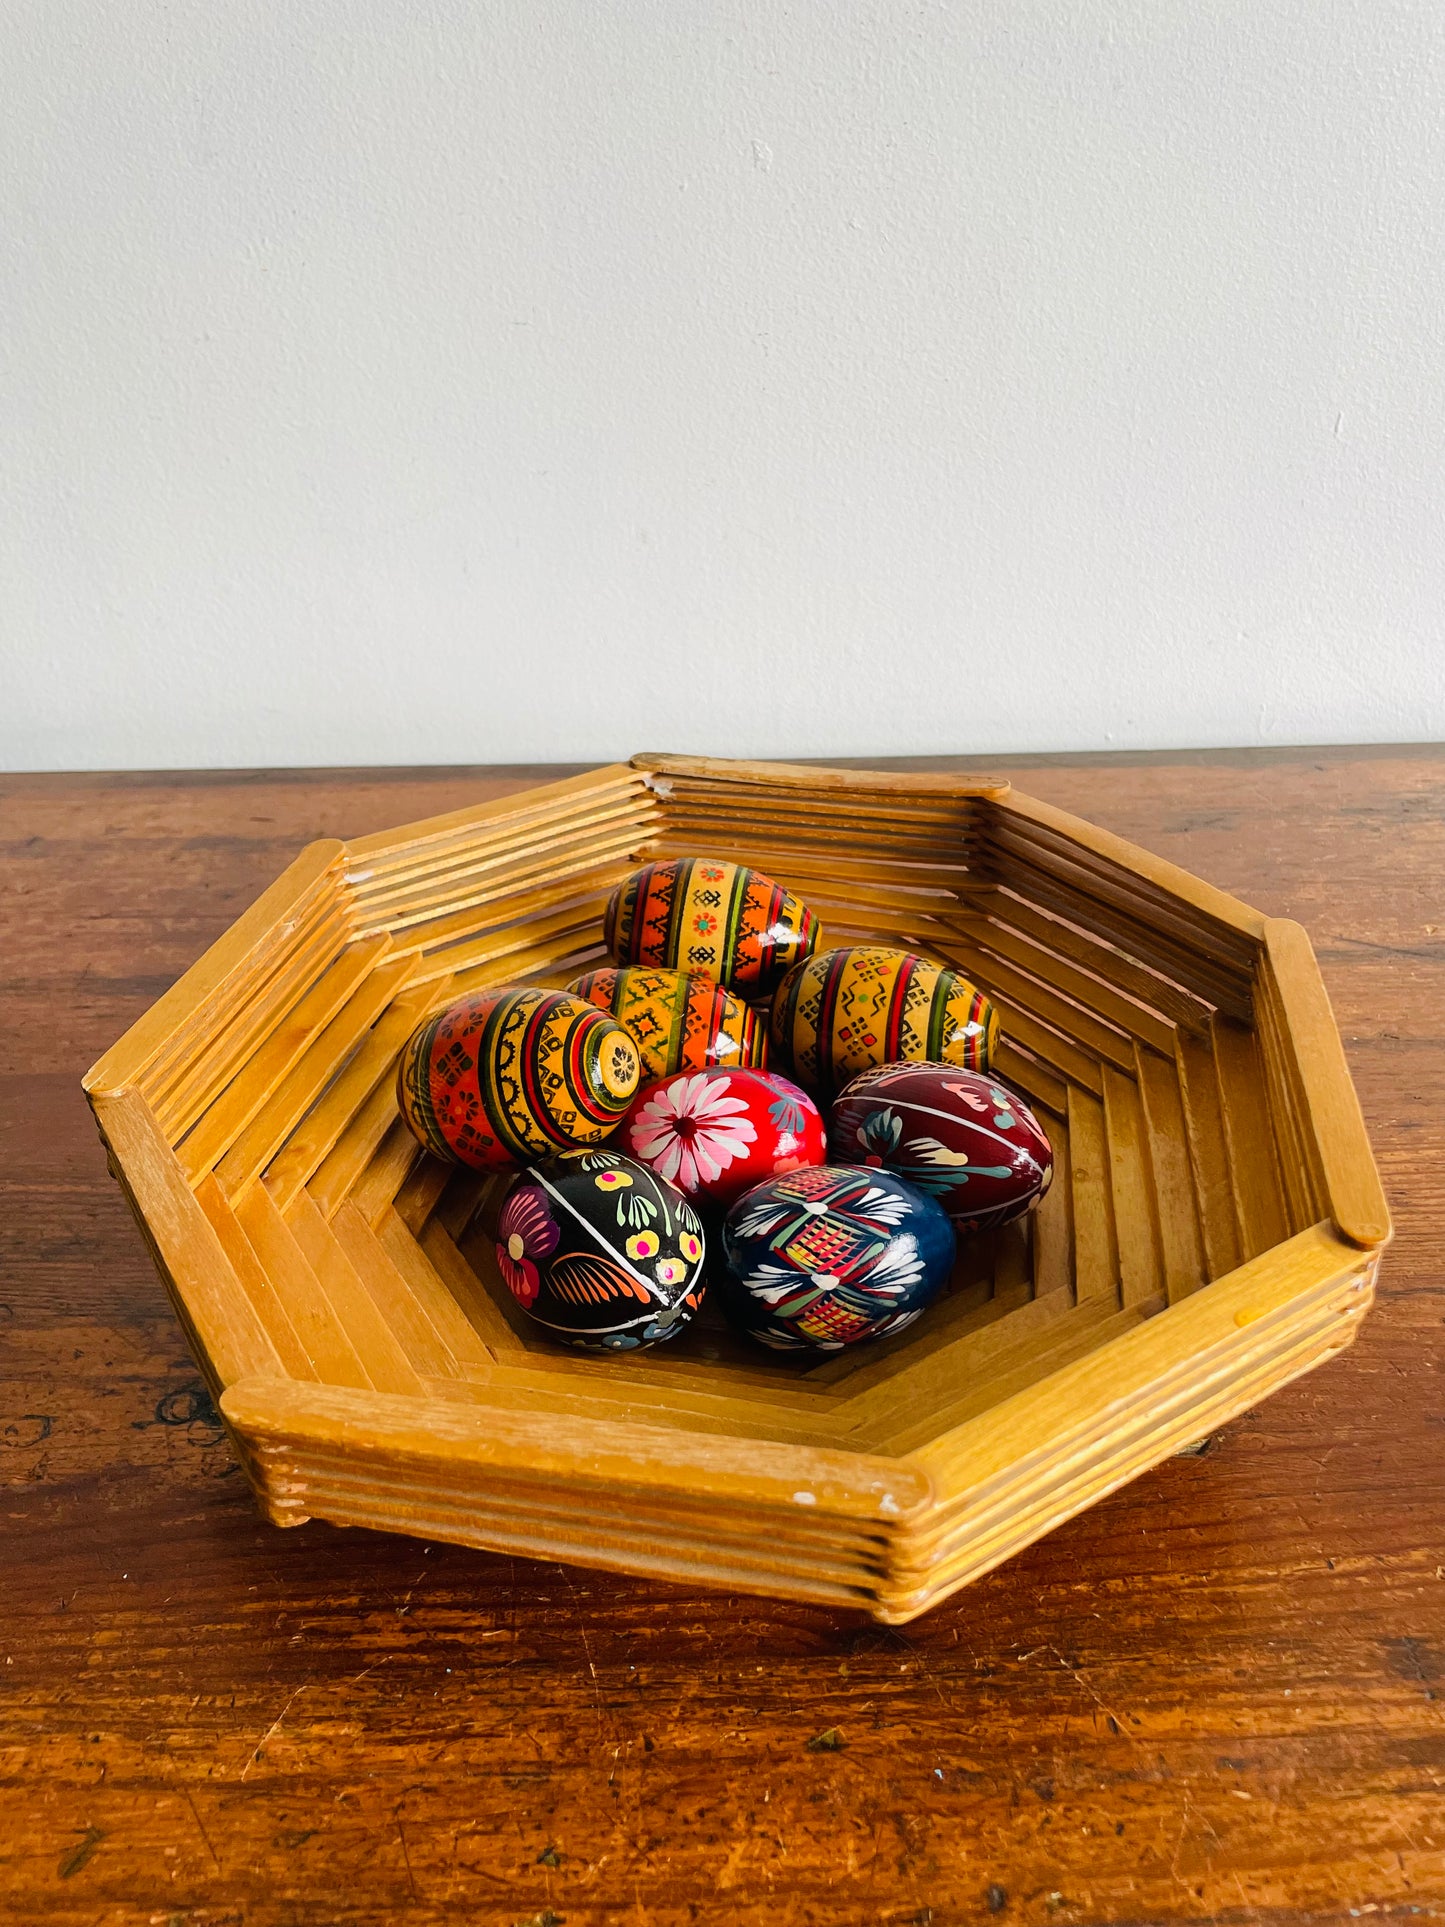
<point>1211,1231</point>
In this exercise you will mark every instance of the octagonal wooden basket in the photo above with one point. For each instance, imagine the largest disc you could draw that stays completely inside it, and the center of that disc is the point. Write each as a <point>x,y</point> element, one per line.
<point>1213,1229</point>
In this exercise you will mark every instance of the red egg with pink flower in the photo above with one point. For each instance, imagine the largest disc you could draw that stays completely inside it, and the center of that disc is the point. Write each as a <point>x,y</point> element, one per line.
<point>715,1133</point>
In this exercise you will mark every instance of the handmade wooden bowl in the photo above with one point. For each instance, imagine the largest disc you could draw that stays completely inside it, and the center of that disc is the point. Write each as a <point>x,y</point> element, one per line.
<point>1212,1230</point>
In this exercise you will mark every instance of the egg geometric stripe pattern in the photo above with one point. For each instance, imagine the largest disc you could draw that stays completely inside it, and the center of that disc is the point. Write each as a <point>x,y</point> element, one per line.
<point>844,1011</point>
<point>699,913</point>
<point>681,1020</point>
<point>512,1073</point>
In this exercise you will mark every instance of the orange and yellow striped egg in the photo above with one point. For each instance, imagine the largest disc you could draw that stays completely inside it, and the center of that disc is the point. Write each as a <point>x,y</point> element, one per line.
<point>701,913</point>
<point>843,1011</point>
<point>680,1020</point>
<point>513,1073</point>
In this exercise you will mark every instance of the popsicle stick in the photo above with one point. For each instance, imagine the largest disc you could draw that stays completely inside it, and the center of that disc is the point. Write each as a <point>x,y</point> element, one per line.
<point>227,1117</point>
<point>437,1336</point>
<point>330,1353</point>
<point>1096,1249</point>
<point>253,1279</point>
<point>385,1358</point>
<point>1357,1200</point>
<point>1208,1155</point>
<point>1136,1228</point>
<point>317,867</point>
<point>1253,1164</point>
<point>368,853</point>
<point>227,1334</point>
<point>1052,1222</point>
<point>1172,1178</point>
<point>304,1083</point>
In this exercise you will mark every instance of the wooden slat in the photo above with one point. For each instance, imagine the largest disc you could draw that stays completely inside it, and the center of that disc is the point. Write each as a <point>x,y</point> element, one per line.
<point>418,1197</point>
<point>498,910</point>
<point>1175,1354</point>
<point>372,1067</point>
<point>436,1334</point>
<point>318,866</point>
<point>1026,1074</point>
<point>1162,884</point>
<point>388,1365</point>
<point>1045,965</point>
<point>1169,945</point>
<point>1099,957</point>
<point>1181,1244</point>
<point>1096,1037</point>
<point>229,1337</point>
<point>333,1358</point>
<point>802,776</point>
<point>1131,1182</point>
<point>187,1078</point>
<point>481,879</point>
<point>1208,1155</point>
<point>1096,1249</point>
<point>351,1153</point>
<point>304,1083</point>
<point>1356,1197</point>
<point>386,1169</point>
<point>533,1445</point>
<point>1253,1165</point>
<point>372,854</point>
<point>1052,1222</point>
<point>220,1126</point>
<point>251,1273</point>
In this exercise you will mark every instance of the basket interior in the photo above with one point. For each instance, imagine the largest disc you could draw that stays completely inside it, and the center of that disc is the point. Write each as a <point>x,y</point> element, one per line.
<point>1140,1027</point>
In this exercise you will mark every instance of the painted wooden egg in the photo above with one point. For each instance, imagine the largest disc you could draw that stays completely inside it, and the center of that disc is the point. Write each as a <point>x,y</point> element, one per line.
<point>697,913</point>
<point>964,1138</point>
<point>511,1073</point>
<point>830,1254</point>
<point>680,1020</point>
<point>715,1133</point>
<point>843,1011</point>
<point>601,1251</point>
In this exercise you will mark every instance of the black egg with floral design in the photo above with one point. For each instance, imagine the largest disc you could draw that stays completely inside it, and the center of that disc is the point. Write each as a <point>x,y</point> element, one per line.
<point>601,1252</point>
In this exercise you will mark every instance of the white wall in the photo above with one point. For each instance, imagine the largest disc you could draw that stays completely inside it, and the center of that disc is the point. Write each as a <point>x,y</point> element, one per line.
<point>459,380</point>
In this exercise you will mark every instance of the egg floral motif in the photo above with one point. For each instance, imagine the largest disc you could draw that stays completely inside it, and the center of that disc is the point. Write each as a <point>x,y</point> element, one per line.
<point>963,1137</point>
<point>713,1133</point>
<point>701,913</point>
<point>600,1252</point>
<point>828,1255</point>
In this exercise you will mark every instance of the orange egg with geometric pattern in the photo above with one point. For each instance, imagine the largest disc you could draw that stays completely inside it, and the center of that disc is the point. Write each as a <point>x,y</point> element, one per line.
<point>513,1073</point>
<point>704,913</point>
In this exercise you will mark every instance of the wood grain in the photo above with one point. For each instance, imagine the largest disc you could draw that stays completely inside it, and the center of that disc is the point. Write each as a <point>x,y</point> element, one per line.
<point>1210,1698</point>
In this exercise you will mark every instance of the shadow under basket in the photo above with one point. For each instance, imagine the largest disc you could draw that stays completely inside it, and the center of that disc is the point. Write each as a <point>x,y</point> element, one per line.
<point>1212,1231</point>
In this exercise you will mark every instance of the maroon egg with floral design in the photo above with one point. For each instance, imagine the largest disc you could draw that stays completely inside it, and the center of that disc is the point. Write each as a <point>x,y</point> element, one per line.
<point>715,1133</point>
<point>962,1136</point>
<point>600,1252</point>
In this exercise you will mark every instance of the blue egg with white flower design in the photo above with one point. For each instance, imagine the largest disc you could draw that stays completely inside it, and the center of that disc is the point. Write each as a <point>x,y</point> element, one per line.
<point>830,1254</point>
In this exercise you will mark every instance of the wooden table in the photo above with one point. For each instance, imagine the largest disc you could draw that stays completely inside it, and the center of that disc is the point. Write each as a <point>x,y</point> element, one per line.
<point>1217,1696</point>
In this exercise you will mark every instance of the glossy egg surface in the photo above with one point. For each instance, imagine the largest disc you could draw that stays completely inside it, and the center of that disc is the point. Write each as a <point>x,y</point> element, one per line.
<point>513,1073</point>
<point>680,1020</point>
<point>845,1011</point>
<point>831,1254</point>
<point>715,1133</point>
<point>699,913</point>
<point>600,1251</point>
<point>963,1137</point>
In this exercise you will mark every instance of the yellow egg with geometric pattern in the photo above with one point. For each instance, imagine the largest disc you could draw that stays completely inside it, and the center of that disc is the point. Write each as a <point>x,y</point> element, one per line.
<point>844,1011</point>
